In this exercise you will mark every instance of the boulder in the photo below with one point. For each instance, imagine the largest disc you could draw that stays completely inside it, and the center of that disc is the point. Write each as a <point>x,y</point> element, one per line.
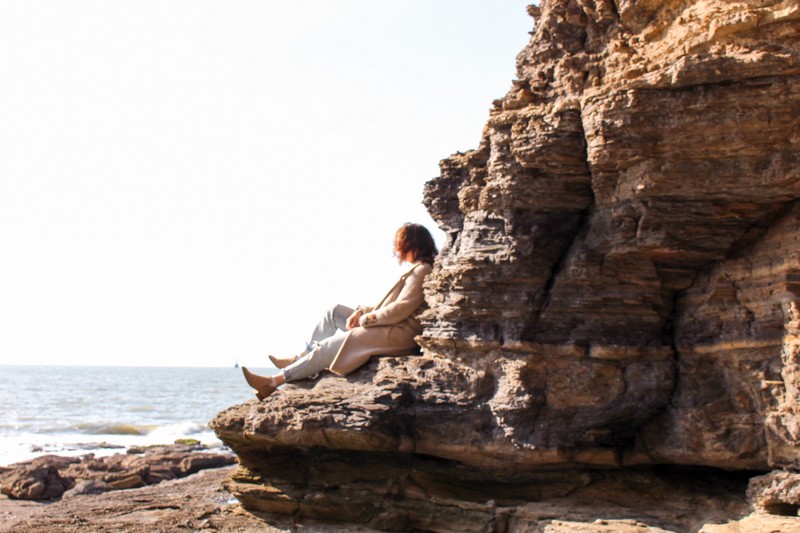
<point>39,479</point>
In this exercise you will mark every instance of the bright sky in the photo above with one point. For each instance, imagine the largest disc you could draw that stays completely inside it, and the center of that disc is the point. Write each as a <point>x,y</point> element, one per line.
<point>186,183</point>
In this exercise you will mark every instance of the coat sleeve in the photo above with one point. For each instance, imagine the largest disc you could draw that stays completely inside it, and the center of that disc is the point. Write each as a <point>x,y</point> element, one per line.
<point>410,298</point>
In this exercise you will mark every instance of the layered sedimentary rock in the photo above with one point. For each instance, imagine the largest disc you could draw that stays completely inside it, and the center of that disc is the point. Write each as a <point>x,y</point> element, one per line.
<point>190,504</point>
<point>619,286</point>
<point>645,145</point>
<point>50,477</point>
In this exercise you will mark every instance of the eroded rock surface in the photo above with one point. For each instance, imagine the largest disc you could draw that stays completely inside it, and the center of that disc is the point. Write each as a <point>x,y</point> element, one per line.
<point>619,286</point>
<point>50,476</point>
<point>190,504</point>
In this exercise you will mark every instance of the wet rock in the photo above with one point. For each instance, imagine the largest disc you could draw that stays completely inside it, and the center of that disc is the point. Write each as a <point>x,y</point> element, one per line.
<point>48,477</point>
<point>39,479</point>
<point>125,481</point>
<point>196,462</point>
<point>193,503</point>
<point>91,486</point>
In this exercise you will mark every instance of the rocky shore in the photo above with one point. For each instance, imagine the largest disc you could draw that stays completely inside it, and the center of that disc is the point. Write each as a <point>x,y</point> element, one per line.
<point>186,488</point>
<point>155,489</point>
<point>51,476</point>
<point>159,488</point>
<point>193,503</point>
<point>199,503</point>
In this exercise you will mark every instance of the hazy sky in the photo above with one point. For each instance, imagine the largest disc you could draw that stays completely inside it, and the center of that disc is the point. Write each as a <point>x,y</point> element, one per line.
<point>191,182</point>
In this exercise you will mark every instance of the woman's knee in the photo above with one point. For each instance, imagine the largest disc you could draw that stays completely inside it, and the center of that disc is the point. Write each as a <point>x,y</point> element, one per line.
<point>339,314</point>
<point>333,311</point>
<point>331,314</point>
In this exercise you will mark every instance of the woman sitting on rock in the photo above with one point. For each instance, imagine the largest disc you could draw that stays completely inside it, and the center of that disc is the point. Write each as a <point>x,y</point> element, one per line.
<point>346,338</point>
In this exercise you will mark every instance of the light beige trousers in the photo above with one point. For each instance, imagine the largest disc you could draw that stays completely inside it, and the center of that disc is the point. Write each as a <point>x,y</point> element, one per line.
<point>321,350</point>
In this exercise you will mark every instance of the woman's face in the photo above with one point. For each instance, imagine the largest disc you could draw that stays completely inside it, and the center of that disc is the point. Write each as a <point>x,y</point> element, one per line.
<point>398,251</point>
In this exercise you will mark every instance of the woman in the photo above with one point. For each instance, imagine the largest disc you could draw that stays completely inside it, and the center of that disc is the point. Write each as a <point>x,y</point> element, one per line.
<point>346,338</point>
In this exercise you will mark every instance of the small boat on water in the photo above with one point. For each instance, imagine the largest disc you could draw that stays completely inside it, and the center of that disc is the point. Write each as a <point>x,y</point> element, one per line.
<point>236,364</point>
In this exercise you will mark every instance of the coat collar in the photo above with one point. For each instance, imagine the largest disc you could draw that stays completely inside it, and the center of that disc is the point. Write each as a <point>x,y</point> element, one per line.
<point>402,280</point>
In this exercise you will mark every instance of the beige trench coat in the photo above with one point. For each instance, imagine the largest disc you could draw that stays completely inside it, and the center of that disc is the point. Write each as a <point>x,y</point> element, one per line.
<point>394,328</point>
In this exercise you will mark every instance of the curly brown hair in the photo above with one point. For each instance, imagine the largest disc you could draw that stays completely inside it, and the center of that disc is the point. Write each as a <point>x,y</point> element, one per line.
<point>416,240</point>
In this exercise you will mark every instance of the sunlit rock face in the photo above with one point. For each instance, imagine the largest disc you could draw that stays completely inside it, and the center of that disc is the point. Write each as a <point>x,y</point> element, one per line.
<point>619,287</point>
<point>623,243</point>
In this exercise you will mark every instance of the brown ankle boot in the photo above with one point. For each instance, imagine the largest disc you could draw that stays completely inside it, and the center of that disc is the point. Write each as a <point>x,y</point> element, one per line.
<point>282,363</point>
<point>264,385</point>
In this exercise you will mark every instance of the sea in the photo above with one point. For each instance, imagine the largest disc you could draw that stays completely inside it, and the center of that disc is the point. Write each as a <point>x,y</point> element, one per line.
<point>77,410</point>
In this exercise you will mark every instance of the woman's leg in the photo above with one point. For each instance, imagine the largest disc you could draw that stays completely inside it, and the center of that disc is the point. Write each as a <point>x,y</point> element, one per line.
<point>264,385</point>
<point>335,319</point>
<point>325,342</point>
<point>317,360</point>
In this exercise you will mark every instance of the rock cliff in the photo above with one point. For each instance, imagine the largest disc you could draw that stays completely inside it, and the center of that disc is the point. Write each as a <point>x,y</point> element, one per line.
<point>614,317</point>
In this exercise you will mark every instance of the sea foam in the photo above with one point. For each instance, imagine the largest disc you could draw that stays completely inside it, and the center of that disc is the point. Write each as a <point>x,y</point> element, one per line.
<point>93,410</point>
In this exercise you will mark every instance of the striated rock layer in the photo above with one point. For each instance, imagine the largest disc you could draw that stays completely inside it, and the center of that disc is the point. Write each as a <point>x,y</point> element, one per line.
<point>619,289</point>
<point>51,476</point>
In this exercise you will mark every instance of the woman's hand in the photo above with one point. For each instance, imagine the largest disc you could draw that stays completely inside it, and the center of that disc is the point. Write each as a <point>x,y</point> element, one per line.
<point>367,320</point>
<point>352,320</point>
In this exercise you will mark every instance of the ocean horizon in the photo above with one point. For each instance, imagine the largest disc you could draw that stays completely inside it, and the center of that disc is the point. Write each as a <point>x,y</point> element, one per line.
<point>76,409</point>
